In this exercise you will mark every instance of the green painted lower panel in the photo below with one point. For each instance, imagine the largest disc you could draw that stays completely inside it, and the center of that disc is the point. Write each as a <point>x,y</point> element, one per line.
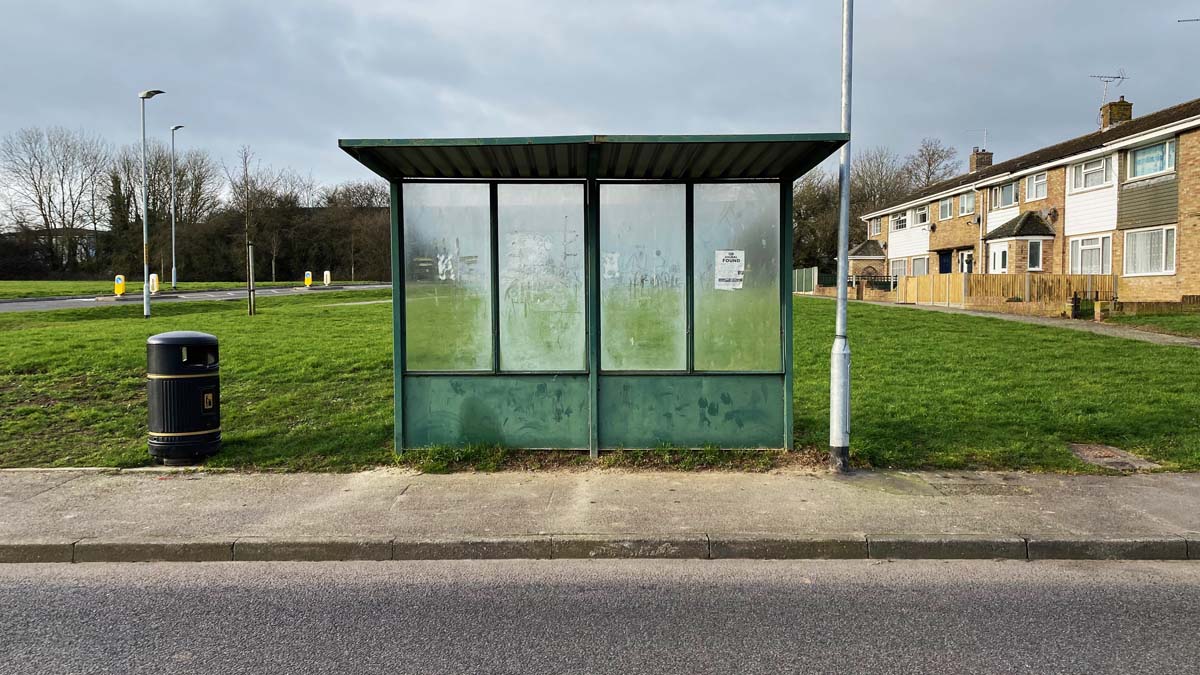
<point>516,411</point>
<point>640,411</point>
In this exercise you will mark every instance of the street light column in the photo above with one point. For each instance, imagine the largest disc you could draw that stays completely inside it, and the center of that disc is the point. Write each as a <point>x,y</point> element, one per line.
<point>175,128</point>
<point>145,209</point>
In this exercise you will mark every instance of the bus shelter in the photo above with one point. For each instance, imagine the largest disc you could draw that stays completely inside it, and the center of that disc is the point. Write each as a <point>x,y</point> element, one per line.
<point>593,292</point>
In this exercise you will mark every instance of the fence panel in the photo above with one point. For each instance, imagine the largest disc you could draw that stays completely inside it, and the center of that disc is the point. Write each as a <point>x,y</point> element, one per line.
<point>804,280</point>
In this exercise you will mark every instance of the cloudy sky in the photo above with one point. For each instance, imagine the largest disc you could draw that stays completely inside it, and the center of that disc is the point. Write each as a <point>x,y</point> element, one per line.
<point>290,77</point>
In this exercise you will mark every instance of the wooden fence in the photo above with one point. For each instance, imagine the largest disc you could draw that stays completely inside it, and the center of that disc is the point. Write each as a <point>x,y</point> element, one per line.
<point>960,289</point>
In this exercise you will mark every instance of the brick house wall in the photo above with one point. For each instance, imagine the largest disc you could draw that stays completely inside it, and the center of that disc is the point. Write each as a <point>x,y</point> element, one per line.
<point>1053,260</point>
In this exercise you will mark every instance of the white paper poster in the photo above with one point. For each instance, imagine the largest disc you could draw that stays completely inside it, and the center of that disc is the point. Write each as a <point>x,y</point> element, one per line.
<point>731,268</point>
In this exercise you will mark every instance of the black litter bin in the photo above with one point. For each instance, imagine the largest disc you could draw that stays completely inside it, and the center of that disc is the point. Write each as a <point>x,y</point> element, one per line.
<point>184,390</point>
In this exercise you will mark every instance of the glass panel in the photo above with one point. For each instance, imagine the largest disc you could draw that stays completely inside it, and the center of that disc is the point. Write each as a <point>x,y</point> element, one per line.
<point>643,260</point>
<point>1169,262</point>
<point>1152,159</point>
<point>736,249</point>
<point>1105,255</point>
<point>542,317</point>
<point>447,277</point>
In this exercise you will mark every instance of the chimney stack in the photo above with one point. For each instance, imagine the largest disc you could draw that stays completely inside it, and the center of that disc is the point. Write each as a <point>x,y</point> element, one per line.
<point>980,159</point>
<point>1114,113</point>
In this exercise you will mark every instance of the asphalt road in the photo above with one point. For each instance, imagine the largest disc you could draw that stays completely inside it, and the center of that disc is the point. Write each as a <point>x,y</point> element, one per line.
<point>182,296</point>
<point>601,617</point>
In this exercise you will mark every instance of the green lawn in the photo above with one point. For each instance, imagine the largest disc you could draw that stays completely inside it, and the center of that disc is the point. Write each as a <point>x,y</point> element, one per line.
<point>933,390</point>
<point>45,289</point>
<point>306,386</point>
<point>1187,325</point>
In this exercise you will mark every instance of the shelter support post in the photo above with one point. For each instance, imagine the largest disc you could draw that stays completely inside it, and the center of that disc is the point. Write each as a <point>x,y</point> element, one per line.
<point>397,317</point>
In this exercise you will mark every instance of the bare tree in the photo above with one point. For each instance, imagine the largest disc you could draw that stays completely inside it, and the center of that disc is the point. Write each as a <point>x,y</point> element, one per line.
<point>358,206</point>
<point>932,162</point>
<point>54,177</point>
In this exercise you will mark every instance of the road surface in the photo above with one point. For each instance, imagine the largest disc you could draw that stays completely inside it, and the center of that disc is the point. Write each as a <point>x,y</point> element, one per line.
<point>601,617</point>
<point>181,296</point>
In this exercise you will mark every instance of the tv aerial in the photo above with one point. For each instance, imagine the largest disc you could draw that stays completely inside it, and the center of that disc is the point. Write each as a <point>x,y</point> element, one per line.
<point>1118,79</point>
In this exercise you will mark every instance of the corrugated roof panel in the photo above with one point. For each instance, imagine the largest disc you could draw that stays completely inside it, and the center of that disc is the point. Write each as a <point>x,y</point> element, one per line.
<point>766,156</point>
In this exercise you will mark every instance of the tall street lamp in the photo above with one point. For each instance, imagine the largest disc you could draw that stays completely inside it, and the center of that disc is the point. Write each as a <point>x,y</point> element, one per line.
<point>150,93</point>
<point>175,128</point>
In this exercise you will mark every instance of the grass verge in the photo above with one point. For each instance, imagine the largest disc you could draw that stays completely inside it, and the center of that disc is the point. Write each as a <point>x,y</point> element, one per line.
<point>307,387</point>
<point>1187,325</point>
<point>10,290</point>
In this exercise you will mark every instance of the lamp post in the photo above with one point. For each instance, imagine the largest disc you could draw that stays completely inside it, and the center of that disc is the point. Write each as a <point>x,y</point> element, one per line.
<point>175,128</point>
<point>148,94</point>
<point>839,366</point>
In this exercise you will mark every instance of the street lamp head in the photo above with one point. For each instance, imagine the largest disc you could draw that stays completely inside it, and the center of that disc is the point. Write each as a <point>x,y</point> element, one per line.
<point>177,127</point>
<point>150,93</point>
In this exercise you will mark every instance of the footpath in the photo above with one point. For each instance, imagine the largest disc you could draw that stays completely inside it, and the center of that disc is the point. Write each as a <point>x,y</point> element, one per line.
<point>144,515</point>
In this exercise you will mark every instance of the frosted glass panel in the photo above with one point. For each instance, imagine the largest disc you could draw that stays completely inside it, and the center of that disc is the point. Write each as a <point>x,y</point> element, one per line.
<point>542,314</point>
<point>736,248</point>
<point>447,275</point>
<point>643,260</point>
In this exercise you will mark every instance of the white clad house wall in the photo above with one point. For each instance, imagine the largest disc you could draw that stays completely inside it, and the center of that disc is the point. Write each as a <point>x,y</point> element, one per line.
<point>908,242</point>
<point>1091,211</point>
<point>1001,216</point>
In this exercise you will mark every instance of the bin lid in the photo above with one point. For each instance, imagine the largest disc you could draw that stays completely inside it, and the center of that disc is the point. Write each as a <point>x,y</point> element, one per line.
<point>182,337</point>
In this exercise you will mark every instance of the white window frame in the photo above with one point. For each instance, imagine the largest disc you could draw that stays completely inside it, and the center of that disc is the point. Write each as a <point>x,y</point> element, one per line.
<point>875,227</point>
<point>998,193</point>
<point>946,208</point>
<point>1081,170</point>
<point>1001,268</point>
<point>1169,160</point>
<point>1037,180</point>
<point>921,216</point>
<point>923,259</point>
<point>1165,270</point>
<point>903,267</point>
<point>903,221</point>
<point>1040,256</point>
<point>962,200</point>
<point>1075,248</point>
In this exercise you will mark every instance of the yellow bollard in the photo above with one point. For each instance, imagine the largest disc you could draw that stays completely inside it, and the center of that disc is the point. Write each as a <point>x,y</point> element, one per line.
<point>119,285</point>
<point>307,279</point>
<point>153,283</point>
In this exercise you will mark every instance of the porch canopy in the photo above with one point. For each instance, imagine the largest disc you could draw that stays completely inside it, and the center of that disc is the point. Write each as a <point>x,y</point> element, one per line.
<point>588,292</point>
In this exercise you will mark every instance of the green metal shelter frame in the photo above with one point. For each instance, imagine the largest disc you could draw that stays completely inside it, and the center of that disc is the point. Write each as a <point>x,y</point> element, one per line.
<point>591,408</point>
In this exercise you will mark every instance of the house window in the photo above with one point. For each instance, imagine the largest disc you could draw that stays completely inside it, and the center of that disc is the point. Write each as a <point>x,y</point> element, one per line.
<point>1092,173</point>
<point>1035,187</point>
<point>1035,256</point>
<point>1004,196</point>
<point>899,220</point>
<point>920,267</point>
<point>1150,251</point>
<point>899,268</point>
<point>922,215</point>
<point>998,259</point>
<point>1152,159</point>
<point>966,204</point>
<point>1091,255</point>
<point>946,209</point>
<point>875,227</point>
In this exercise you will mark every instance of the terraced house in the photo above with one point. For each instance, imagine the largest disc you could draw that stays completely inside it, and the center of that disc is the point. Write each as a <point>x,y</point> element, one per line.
<point>1122,201</point>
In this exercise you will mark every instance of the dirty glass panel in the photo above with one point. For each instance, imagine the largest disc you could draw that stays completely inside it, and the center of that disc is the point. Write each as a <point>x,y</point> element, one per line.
<point>447,277</point>
<point>643,259</point>
<point>542,313</point>
<point>736,249</point>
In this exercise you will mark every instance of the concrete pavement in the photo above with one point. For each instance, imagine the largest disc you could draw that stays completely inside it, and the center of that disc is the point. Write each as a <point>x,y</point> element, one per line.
<point>390,513</point>
<point>601,616</point>
<point>46,304</point>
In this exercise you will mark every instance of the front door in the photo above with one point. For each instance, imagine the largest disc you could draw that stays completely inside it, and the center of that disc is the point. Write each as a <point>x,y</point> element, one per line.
<point>945,262</point>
